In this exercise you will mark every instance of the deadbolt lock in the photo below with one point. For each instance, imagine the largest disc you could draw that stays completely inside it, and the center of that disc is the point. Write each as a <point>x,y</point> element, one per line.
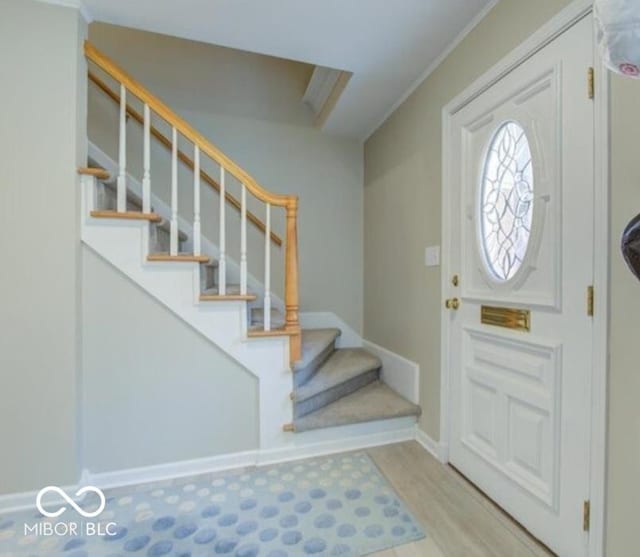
<point>455,280</point>
<point>452,303</point>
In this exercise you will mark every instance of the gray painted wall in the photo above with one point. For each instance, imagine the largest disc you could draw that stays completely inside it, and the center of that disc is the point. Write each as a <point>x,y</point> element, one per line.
<point>624,371</point>
<point>251,107</point>
<point>402,208</point>
<point>42,99</point>
<point>403,203</point>
<point>155,391</point>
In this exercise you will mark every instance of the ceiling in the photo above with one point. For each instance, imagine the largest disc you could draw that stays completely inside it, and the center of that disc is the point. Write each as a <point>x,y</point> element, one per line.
<point>389,45</point>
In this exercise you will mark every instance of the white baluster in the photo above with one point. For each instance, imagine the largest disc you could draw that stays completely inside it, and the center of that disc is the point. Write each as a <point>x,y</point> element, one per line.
<point>222,263</point>
<point>243,242</point>
<point>122,154</point>
<point>146,174</point>
<point>267,270</point>
<point>173,245</point>
<point>196,201</point>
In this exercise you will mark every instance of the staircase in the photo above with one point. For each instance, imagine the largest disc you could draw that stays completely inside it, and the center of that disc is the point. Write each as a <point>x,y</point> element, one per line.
<point>333,387</point>
<point>306,382</point>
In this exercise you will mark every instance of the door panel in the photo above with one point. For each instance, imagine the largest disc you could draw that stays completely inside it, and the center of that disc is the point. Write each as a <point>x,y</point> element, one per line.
<point>536,107</point>
<point>523,378</point>
<point>521,216</point>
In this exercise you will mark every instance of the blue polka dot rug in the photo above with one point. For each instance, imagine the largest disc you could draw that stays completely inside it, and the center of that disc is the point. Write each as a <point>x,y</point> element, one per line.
<point>336,506</point>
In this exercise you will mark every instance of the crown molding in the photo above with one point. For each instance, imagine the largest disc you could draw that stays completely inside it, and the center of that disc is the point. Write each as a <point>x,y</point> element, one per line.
<point>432,67</point>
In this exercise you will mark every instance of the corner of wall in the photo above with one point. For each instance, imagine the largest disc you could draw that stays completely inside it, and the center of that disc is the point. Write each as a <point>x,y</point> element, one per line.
<point>81,159</point>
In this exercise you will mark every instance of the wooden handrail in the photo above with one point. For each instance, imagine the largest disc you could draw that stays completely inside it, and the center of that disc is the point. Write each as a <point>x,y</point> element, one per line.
<point>188,131</point>
<point>289,202</point>
<point>184,158</point>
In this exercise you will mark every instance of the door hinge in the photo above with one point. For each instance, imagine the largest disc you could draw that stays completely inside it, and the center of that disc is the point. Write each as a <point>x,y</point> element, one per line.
<point>586,515</point>
<point>591,85</point>
<point>590,301</point>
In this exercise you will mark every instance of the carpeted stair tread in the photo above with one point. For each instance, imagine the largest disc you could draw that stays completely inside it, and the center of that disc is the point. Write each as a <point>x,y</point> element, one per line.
<point>165,226</point>
<point>213,264</point>
<point>374,402</point>
<point>160,237</point>
<point>257,318</point>
<point>314,343</point>
<point>110,195</point>
<point>134,203</point>
<point>341,367</point>
<point>208,275</point>
<point>342,373</point>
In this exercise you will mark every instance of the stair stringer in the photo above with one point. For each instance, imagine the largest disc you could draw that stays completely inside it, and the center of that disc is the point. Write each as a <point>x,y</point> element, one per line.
<point>125,245</point>
<point>98,157</point>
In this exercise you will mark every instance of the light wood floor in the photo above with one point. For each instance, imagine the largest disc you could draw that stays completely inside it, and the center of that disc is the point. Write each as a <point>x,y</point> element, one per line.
<point>458,519</point>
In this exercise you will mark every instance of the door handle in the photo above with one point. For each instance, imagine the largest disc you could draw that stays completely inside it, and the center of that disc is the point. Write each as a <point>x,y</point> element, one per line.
<point>452,303</point>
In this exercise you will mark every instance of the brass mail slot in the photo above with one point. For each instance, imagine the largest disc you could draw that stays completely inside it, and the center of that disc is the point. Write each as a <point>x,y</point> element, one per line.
<point>510,318</point>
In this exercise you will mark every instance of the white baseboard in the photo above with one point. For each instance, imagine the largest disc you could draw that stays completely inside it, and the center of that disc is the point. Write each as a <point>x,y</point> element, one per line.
<point>340,445</point>
<point>432,446</point>
<point>402,375</point>
<point>347,438</point>
<point>17,501</point>
<point>13,502</point>
<point>396,431</point>
<point>170,470</point>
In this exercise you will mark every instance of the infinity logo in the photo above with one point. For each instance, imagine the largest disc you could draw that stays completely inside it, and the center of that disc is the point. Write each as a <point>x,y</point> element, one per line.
<point>82,491</point>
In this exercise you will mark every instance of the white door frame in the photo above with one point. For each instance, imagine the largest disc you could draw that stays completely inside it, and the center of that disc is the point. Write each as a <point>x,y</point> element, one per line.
<point>547,33</point>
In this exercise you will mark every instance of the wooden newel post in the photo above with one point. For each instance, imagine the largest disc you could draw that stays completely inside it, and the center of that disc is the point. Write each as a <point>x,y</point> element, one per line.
<point>291,296</point>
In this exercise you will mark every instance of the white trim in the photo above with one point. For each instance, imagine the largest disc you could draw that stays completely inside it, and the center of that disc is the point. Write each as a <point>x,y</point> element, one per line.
<point>599,379</point>
<point>76,4</point>
<point>445,329</point>
<point>434,65</point>
<point>345,440</point>
<point>433,447</point>
<point>171,470</point>
<point>557,25</point>
<point>401,374</point>
<point>538,40</point>
<point>14,502</point>
<point>397,431</point>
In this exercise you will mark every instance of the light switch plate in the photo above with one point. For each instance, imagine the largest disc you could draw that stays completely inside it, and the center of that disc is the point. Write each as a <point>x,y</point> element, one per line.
<point>432,256</point>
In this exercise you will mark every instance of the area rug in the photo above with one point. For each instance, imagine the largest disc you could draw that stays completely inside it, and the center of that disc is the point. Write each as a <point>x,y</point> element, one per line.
<point>330,506</point>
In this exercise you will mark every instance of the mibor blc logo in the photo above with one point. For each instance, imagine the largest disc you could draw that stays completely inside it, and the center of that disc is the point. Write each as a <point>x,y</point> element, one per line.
<point>72,527</point>
<point>79,493</point>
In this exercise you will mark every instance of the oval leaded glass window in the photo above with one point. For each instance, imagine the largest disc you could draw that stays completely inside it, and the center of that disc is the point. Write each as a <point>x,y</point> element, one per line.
<point>506,201</point>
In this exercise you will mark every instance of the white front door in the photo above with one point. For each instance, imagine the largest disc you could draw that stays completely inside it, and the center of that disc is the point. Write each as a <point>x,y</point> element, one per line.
<point>521,229</point>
